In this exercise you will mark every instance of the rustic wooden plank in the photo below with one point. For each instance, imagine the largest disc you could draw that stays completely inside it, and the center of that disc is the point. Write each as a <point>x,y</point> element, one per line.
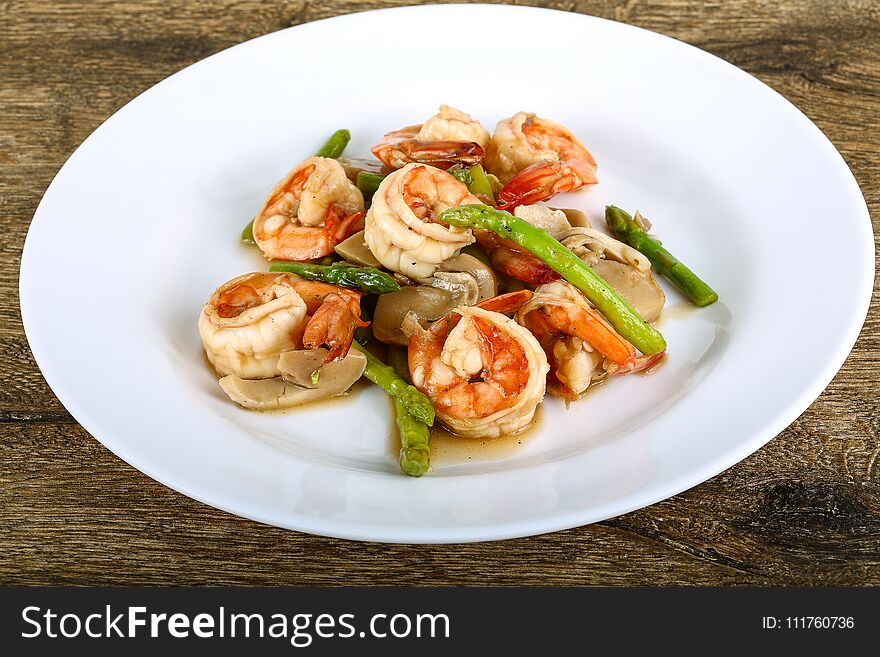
<point>803,510</point>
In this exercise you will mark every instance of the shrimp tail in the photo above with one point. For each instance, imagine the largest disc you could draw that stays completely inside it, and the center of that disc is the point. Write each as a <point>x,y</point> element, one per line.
<point>522,265</point>
<point>594,330</point>
<point>507,304</point>
<point>543,180</point>
<point>555,384</point>
<point>587,325</point>
<point>340,226</point>
<point>441,154</point>
<point>235,300</point>
<point>640,364</point>
<point>333,326</point>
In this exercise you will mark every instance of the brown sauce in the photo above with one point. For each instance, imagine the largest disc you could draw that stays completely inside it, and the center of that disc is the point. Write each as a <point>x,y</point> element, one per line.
<point>448,448</point>
<point>679,311</point>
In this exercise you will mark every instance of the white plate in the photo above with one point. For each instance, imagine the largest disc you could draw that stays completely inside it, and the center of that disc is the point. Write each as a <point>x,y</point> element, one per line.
<point>142,223</point>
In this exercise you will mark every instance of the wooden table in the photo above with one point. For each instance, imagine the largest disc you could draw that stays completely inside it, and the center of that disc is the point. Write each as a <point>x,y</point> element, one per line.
<point>805,509</point>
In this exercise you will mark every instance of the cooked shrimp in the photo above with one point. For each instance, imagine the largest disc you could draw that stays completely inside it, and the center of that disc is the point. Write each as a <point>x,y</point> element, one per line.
<point>509,258</point>
<point>447,138</point>
<point>309,212</point>
<point>484,373</point>
<point>624,268</point>
<point>580,344</point>
<point>335,314</point>
<point>453,124</point>
<point>401,227</point>
<point>251,320</point>
<point>536,158</point>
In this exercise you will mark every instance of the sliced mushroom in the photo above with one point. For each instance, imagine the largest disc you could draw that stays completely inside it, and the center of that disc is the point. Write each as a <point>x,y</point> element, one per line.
<point>274,394</point>
<point>482,273</point>
<point>355,250</point>
<point>428,303</point>
<point>307,368</point>
<point>462,284</point>
<point>638,288</point>
<point>460,281</point>
<point>576,218</point>
<point>589,244</point>
<point>304,367</point>
<point>624,268</point>
<point>553,221</point>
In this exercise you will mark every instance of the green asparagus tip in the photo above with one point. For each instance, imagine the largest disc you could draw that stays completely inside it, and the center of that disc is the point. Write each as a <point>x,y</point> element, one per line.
<point>368,279</point>
<point>415,461</point>
<point>461,174</point>
<point>334,146</point>
<point>633,231</point>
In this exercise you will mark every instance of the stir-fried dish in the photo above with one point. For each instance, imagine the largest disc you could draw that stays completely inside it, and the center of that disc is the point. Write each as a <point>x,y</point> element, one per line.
<point>442,272</point>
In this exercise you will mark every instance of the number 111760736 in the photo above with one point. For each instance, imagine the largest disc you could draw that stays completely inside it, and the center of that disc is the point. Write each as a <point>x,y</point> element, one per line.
<point>808,623</point>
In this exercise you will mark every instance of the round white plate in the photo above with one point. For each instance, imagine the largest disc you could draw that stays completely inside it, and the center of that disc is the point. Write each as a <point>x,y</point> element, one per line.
<point>142,223</point>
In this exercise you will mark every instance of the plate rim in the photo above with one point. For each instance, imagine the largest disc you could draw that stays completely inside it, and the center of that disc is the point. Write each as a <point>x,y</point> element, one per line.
<point>507,529</point>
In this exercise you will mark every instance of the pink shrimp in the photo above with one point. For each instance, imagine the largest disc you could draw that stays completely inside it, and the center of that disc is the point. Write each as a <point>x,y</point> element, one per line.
<point>335,314</point>
<point>509,258</point>
<point>449,137</point>
<point>330,316</point>
<point>576,339</point>
<point>309,212</point>
<point>484,373</point>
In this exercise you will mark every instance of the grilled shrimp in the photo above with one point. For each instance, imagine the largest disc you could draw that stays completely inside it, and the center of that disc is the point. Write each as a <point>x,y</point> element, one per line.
<point>484,373</point>
<point>309,212</point>
<point>401,230</point>
<point>536,158</point>
<point>251,320</point>
<point>580,344</point>
<point>447,138</point>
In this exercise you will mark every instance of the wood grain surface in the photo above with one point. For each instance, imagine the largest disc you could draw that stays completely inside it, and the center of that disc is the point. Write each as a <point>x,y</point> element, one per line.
<point>805,509</point>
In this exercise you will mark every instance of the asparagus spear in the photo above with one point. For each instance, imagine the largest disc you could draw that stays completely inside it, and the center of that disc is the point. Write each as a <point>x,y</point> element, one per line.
<point>247,234</point>
<point>475,178</point>
<point>629,230</point>
<point>461,174</point>
<point>368,279</point>
<point>565,263</point>
<point>415,455</point>
<point>368,183</point>
<point>334,146</point>
<point>480,184</point>
<point>416,403</point>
